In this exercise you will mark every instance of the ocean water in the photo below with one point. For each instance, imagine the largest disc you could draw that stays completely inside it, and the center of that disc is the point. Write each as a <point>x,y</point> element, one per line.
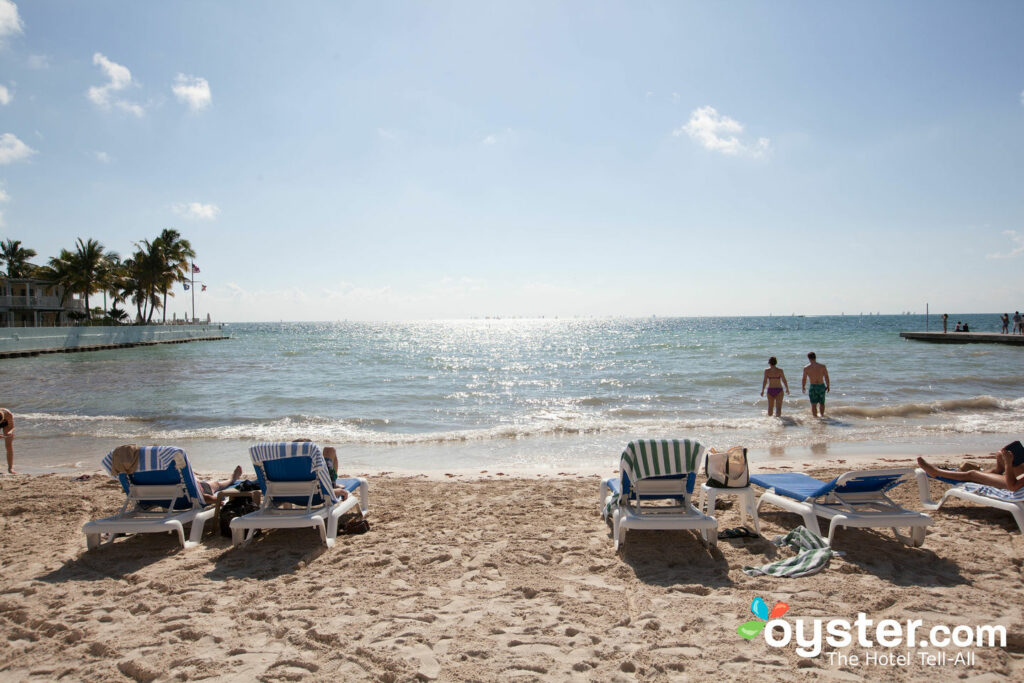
<point>493,394</point>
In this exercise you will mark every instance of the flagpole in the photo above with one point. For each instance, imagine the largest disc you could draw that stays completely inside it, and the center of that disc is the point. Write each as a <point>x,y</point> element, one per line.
<point>193,291</point>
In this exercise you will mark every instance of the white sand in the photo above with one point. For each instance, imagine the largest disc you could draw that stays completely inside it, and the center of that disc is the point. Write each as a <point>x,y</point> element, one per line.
<point>464,578</point>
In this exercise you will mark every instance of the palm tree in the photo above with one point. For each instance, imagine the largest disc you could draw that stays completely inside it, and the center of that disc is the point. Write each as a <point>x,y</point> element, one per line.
<point>87,265</point>
<point>17,258</point>
<point>175,252</point>
<point>79,271</point>
<point>143,274</point>
<point>110,272</point>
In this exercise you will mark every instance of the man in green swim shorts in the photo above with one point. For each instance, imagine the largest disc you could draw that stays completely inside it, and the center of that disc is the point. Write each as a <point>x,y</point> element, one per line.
<point>820,384</point>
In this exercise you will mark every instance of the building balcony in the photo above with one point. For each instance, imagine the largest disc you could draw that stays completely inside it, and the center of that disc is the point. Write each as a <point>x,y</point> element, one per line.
<point>48,303</point>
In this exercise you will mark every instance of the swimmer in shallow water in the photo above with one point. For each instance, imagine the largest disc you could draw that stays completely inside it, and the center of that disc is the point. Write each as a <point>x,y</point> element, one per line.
<point>774,379</point>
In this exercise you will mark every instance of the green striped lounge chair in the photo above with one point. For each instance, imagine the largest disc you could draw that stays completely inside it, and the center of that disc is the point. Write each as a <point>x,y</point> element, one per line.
<point>162,495</point>
<point>654,490</point>
<point>853,499</point>
<point>989,496</point>
<point>298,492</point>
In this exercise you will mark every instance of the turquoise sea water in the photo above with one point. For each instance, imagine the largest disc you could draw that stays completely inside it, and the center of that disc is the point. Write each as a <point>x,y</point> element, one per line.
<point>529,393</point>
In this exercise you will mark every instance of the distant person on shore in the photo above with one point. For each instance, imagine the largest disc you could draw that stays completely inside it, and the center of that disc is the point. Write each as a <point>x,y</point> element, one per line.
<point>1016,322</point>
<point>7,426</point>
<point>1006,323</point>
<point>945,319</point>
<point>1005,474</point>
<point>957,328</point>
<point>774,379</point>
<point>966,328</point>
<point>817,374</point>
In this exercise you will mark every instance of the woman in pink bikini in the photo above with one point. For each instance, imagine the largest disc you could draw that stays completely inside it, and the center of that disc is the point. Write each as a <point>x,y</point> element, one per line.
<point>774,380</point>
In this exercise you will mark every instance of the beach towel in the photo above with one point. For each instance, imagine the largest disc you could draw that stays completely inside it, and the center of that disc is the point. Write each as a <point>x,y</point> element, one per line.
<point>814,556</point>
<point>993,492</point>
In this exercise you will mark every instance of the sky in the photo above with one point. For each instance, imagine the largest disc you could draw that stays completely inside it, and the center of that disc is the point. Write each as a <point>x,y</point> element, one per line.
<point>413,160</point>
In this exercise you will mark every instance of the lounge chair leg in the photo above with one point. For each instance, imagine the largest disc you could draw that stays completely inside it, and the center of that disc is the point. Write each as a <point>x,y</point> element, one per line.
<point>322,528</point>
<point>364,496</point>
<point>917,536</point>
<point>1018,515</point>
<point>92,541</point>
<point>618,533</point>
<point>811,522</point>
<point>602,499</point>
<point>237,536</point>
<point>180,530</point>
<point>924,491</point>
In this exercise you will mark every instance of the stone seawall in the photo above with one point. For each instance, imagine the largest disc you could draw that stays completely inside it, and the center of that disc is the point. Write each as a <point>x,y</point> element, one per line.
<point>31,341</point>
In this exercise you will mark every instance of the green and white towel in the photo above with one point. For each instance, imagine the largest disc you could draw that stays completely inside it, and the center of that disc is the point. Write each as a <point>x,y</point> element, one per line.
<point>814,556</point>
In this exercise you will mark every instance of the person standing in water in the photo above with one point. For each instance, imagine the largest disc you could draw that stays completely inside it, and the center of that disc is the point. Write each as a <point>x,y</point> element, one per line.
<point>820,384</point>
<point>774,379</point>
<point>7,430</point>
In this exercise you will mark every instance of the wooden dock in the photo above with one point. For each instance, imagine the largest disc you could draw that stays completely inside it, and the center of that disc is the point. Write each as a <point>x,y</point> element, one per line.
<point>965,338</point>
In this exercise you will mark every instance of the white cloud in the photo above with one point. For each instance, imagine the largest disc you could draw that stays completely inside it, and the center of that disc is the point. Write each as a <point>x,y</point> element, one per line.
<point>5,95</point>
<point>721,134</point>
<point>495,138</point>
<point>38,62</point>
<point>1018,245</point>
<point>193,91</point>
<point>103,157</point>
<point>119,78</point>
<point>12,149</point>
<point>386,134</point>
<point>489,140</point>
<point>197,211</point>
<point>10,22</point>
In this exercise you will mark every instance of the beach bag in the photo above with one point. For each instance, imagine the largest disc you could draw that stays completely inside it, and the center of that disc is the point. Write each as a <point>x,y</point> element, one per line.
<point>236,507</point>
<point>359,525</point>
<point>727,469</point>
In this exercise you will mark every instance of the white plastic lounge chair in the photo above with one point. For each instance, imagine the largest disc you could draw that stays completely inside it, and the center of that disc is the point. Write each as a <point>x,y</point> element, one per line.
<point>161,495</point>
<point>297,492</point>
<point>649,471</point>
<point>854,499</point>
<point>1001,499</point>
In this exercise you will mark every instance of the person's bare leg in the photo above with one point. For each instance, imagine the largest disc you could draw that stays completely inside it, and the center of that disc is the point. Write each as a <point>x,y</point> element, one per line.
<point>973,476</point>
<point>221,485</point>
<point>9,442</point>
<point>778,405</point>
<point>771,405</point>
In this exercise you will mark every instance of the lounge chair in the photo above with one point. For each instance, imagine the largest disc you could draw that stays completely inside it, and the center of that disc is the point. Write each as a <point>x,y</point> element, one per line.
<point>162,494</point>
<point>854,499</point>
<point>662,471</point>
<point>990,496</point>
<point>297,492</point>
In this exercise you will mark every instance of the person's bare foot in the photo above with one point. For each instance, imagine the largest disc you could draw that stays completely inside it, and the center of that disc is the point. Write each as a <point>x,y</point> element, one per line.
<point>237,474</point>
<point>930,470</point>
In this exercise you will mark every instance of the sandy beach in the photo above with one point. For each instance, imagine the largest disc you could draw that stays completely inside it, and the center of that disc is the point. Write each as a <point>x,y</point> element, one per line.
<point>473,578</point>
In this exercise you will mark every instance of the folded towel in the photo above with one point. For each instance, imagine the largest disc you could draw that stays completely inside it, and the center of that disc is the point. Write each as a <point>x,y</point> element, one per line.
<point>124,459</point>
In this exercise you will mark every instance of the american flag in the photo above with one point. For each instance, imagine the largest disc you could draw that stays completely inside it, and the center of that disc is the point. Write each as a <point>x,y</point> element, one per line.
<point>195,268</point>
<point>203,289</point>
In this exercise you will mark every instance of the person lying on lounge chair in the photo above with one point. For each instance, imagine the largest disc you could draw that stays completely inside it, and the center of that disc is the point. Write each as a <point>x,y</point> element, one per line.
<point>209,489</point>
<point>331,456</point>
<point>1004,475</point>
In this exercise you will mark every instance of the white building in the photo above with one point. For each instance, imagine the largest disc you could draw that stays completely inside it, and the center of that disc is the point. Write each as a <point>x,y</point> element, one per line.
<point>30,302</point>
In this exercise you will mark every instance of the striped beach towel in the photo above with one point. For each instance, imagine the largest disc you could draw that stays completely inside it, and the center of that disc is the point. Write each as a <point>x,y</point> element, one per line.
<point>646,459</point>
<point>159,459</point>
<point>265,452</point>
<point>814,556</point>
<point>993,492</point>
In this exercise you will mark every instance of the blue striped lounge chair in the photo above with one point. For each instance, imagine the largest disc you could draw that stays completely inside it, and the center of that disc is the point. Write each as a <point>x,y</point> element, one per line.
<point>298,492</point>
<point>162,495</point>
<point>854,499</point>
<point>654,490</point>
<point>989,496</point>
